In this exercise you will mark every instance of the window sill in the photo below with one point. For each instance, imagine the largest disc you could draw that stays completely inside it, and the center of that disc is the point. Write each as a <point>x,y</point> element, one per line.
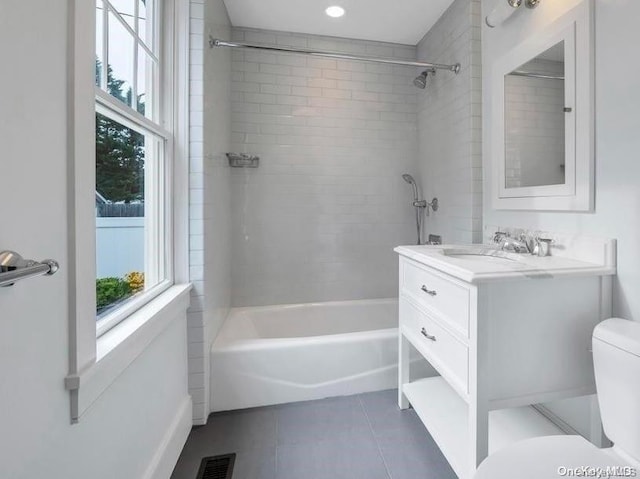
<point>128,308</point>
<point>120,346</point>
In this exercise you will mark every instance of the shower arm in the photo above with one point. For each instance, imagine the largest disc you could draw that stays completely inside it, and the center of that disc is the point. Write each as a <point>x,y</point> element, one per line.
<point>215,42</point>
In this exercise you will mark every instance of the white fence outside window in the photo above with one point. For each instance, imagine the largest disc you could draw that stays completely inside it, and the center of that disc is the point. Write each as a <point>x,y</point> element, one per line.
<point>120,246</point>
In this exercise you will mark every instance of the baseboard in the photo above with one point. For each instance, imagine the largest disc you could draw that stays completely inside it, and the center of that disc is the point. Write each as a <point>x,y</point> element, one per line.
<point>166,457</point>
<point>199,421</point>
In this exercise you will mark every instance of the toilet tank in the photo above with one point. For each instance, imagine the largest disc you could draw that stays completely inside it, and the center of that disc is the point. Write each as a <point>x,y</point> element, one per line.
<point>616,357</point>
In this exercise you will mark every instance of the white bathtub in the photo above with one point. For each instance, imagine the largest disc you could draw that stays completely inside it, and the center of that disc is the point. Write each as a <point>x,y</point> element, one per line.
<point>278,354</point>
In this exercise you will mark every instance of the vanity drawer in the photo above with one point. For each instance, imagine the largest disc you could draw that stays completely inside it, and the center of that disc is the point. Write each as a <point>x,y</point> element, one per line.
<point>448,355</point>
<point>448,300</point>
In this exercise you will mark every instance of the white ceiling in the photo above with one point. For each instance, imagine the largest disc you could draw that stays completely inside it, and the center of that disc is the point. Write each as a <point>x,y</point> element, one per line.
<point>395,21</point>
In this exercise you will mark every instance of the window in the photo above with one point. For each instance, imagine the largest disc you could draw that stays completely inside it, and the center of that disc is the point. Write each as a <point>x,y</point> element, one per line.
<point>133,249</point>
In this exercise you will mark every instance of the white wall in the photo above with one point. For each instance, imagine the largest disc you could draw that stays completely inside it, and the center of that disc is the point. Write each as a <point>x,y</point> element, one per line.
<point>319,218</point>
<point>122,432</point>
<point>617,140</point>
<point>449,125</point>
<point>210,246</point>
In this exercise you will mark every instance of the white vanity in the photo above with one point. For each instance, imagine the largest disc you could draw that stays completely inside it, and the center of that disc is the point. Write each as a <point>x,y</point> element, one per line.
<point>504,332</point>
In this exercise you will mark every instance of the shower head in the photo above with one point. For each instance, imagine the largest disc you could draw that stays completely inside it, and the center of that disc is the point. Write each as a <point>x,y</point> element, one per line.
<point>409,179</point>
<point>421,80</point>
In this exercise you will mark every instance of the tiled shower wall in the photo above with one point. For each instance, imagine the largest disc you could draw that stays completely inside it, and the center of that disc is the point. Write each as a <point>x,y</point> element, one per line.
<point>195,313</point>
<point>319,218</point>
<point>449,125</point>
<point>209,196</point>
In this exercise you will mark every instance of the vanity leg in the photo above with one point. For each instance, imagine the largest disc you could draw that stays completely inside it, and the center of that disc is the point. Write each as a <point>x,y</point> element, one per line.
<point>479,377</point>
<point>478,434</point>
<point>404,349</point>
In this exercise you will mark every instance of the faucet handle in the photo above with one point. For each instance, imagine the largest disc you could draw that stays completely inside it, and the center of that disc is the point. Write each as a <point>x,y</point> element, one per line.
<point>530,240</point>
<point>498,236</point>
<point>542,246</point>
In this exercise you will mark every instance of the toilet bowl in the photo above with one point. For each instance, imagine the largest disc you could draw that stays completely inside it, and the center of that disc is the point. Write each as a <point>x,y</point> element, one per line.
<point>616,356</point>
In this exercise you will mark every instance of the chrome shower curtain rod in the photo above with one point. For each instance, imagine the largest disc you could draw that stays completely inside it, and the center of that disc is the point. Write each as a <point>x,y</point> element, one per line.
<point>548,76</point>
<point>215,42</point>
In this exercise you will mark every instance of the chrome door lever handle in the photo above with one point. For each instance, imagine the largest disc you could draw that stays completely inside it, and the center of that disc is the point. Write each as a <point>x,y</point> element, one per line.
<point>14,267</point>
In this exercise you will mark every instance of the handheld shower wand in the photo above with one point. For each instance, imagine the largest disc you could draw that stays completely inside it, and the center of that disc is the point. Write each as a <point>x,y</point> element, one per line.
<point>419,205</point>
<point>409,179</point>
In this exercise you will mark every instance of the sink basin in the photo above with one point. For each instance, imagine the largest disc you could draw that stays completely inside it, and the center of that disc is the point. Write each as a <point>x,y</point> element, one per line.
<point>481,254</point>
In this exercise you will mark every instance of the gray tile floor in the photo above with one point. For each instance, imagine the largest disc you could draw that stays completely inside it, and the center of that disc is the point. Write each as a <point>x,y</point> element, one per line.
<point>364,436</point>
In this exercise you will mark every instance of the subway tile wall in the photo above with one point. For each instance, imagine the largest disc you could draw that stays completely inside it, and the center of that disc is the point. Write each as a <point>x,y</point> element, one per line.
<point>195,313</point>
<point>209,194</point>
<point>318,220</point>
<point>450,125</point>
<point>217,177</point>
<point>217,142</point>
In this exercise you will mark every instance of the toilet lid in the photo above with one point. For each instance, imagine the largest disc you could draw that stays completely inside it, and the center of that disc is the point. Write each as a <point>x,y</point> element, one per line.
<point>545,458</point>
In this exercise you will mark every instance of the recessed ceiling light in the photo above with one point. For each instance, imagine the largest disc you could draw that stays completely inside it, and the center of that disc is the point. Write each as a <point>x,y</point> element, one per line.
<point>334,11</point>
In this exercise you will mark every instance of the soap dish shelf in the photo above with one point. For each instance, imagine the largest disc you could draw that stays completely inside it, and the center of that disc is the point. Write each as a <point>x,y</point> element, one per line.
<point>243,160</point>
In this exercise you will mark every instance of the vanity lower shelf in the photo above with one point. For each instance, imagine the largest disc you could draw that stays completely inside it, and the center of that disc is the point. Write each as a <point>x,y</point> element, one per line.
<point>445,415</point>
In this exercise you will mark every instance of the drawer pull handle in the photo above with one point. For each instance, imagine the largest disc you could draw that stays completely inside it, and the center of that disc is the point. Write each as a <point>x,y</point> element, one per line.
<point>430,292</point>
<point>427,335</point>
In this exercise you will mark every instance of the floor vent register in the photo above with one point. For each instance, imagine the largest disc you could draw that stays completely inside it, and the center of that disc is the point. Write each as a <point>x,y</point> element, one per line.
<point>217,467</point>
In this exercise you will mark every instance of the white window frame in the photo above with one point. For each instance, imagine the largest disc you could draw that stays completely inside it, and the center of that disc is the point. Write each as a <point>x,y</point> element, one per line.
<point>95,363</point>
<point>158,187</point>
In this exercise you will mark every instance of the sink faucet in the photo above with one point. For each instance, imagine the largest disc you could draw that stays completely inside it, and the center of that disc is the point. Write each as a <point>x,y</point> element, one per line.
<point>507,243</point>
<point>517,246</point>
<point>525,243</point>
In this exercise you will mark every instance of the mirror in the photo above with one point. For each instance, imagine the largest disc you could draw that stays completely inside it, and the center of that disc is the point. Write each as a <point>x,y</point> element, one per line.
<point>534,121</point>
<point>541,116</point>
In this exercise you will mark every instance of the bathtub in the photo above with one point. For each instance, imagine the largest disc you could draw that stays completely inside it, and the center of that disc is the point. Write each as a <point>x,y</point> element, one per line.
<point>279,354</point>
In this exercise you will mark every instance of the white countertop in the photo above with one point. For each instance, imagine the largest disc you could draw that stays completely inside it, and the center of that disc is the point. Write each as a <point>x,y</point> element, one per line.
<point>474,269</point>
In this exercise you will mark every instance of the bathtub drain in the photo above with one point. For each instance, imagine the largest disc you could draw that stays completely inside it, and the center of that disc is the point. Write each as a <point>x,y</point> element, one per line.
<point>217,467</point>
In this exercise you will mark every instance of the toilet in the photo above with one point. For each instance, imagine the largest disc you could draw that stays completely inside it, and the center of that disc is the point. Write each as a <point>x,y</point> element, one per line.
<point>616,355</point>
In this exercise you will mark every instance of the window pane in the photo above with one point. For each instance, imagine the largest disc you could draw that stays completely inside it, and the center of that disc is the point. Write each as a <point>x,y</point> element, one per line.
<point>145,22</point>
<point>132,242</point>
<point>122,260</point>
<point>99,42</point>
<point>126,10</point>
<point>146,82</point>
<point>142,19</point>
<point>121,61</point>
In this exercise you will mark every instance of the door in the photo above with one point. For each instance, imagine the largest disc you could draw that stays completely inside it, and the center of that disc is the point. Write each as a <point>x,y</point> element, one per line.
<point>34,407</point>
